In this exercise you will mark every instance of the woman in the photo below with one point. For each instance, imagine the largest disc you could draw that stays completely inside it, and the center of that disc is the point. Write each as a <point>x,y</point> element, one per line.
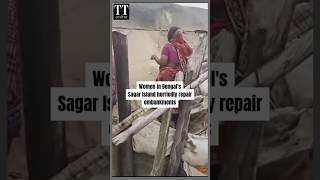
<point>174,56</point>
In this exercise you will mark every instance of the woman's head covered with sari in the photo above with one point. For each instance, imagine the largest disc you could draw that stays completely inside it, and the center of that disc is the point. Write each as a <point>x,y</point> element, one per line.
<point>175,37</point>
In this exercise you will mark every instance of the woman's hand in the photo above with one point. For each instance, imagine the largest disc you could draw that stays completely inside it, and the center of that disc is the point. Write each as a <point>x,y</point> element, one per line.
<point>154,57</point>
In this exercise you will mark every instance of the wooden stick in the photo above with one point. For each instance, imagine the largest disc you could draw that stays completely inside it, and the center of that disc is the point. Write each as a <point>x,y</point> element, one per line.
<point>181,133</point>
<point>116,129</point>
<point>159,159</point>
<point>141,123</point>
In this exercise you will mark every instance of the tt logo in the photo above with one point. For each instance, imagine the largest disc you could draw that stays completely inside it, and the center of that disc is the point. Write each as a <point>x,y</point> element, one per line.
<point>121,11</point>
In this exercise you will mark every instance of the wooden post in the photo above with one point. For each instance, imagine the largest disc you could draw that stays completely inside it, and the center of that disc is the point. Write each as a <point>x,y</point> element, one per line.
<point>120,49</point>
<point>159,168</point>
<point>181,134</point>
<point>159,159</point>
<point>3,89</point>
<point>40,54</point>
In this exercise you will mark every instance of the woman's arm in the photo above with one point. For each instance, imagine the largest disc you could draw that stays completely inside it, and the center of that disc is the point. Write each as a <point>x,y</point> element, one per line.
<point>162,61</point>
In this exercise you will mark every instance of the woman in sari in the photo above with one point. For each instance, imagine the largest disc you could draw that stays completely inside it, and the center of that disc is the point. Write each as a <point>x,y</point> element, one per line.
<point>174,56</point>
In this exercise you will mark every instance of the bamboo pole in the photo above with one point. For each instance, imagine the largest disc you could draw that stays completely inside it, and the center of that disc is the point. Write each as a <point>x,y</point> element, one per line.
<point>116,129</point>
<point>141,123</point>
<point>158,167</point>
<point>181,133</point>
